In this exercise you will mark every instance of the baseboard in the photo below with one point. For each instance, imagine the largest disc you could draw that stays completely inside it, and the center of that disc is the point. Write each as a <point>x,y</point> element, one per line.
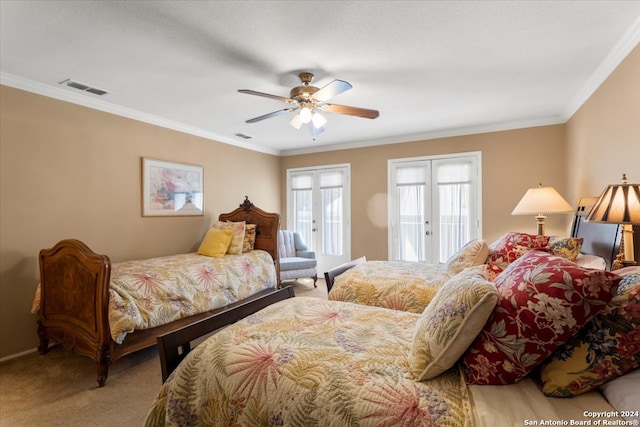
<point>16,355</point>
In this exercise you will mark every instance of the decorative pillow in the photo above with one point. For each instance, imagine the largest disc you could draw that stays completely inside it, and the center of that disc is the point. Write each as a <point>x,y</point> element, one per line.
<point>235,248</point>
<point>566,247</point>
<point>510,247</point>
<point>215,242</point>
<point>473,253</point>
<point>607,347</point>
<point>249,238</point>
<point>544,301</point>
<point>451,322</point>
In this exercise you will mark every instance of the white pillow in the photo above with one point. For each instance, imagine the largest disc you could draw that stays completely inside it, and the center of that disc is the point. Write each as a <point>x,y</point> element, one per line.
<point>623,393</point>
<point>591,261</point>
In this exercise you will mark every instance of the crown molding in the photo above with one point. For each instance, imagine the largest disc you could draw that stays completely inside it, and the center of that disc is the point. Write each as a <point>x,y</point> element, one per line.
<point>444,133</point>
<point>619,52</point>
<point>107,107</point>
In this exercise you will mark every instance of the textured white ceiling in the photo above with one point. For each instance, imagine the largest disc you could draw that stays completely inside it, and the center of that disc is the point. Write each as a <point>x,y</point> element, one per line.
<point>432,68</point>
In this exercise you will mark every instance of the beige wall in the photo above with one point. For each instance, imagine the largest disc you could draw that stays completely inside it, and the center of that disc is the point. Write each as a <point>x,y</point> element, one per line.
<point>603,136</point>
<point>512,162</point>
<point>69,171</point>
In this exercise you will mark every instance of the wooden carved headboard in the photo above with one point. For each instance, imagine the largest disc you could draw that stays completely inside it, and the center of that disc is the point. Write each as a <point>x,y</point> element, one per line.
<point>599,239</point>
<point>267,226</point>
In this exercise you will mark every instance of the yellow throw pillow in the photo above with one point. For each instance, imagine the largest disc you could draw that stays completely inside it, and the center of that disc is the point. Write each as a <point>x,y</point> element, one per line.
<point>215,243</point>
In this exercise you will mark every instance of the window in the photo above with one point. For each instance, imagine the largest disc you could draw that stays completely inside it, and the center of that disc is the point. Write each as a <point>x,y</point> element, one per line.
<point>318,208</point>
<point>434,206</point>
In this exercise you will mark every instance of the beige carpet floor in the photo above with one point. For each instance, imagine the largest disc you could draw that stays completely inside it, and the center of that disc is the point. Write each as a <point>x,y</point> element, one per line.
<point>60,388</point>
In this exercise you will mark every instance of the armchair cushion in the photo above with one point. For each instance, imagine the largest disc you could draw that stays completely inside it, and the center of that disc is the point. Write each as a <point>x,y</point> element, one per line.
<point>296,260</point>
<point>306,254</point>
<point>296,263</point>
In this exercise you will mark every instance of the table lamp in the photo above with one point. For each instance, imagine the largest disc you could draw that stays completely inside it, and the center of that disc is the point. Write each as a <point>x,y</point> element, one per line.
<point>540,201</point>
<point>619,204</point>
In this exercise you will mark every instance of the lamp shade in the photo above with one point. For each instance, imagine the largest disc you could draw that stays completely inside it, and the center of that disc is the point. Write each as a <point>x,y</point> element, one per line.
<point>618,204</point>
<point>541,200</point>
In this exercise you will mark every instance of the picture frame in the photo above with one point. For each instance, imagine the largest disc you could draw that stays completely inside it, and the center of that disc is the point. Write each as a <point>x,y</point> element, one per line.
<point>171,188</point>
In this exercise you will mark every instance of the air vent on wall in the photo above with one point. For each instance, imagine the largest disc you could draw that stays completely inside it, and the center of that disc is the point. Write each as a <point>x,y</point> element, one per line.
<point>83,87</point>
<point>243,136</point>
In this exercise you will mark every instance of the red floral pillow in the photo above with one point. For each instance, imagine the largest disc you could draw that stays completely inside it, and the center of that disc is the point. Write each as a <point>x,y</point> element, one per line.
<point>544,301</point>
<point>509,248</point>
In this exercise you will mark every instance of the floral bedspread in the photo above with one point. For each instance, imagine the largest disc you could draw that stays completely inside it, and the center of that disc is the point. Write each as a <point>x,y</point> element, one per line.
<point>148,293</point>
<point>407,286</point>
<point>152,292</point>
<point>310,362</point>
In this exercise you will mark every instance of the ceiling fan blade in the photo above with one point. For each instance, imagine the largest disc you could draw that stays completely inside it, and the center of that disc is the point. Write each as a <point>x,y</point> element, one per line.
<point>266,95</point>
<point>274,114</point>
<point>352,111</point>
<point>334,88</point>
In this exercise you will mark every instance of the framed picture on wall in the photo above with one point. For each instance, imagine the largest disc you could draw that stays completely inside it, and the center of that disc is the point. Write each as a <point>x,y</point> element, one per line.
<point>171,189</point>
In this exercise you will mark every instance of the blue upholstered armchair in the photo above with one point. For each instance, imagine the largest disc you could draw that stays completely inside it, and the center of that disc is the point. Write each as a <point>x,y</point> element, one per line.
<point>296,261</point>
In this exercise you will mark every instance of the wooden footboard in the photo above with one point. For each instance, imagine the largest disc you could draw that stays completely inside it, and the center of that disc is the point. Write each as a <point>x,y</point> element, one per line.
<point>174,346</point>
<point>74,295</point>
<point>330,276</point>
<point>74,302</point>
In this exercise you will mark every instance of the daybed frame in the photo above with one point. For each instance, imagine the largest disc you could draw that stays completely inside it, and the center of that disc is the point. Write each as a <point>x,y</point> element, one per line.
<point>74,296</point>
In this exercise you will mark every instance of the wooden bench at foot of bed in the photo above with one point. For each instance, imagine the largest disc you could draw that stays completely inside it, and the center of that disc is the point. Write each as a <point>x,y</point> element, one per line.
<point>74,296</point>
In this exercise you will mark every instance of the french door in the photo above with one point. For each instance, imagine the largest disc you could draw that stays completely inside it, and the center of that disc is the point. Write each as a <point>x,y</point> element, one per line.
<point>434,206</point>
<point>318,208</point>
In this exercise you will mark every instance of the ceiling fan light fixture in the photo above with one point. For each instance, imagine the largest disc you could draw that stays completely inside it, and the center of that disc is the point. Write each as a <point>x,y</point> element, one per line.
<point>296,122</point>
<point>305,114</point>
<point>308,101</point>
<point>318,120</point>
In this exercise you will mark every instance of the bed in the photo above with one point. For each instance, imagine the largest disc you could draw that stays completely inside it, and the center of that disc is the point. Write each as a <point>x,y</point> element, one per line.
<point>81,306</point>
<point>307,361</point>
<point>407,286</point>
<point>410,286</point>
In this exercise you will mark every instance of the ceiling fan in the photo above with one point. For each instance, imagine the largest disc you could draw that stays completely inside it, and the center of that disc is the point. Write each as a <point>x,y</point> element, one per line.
<point>309,101</point>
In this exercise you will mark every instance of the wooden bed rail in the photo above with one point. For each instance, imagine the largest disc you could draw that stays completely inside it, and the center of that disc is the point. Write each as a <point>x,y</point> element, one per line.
<point>330,276</point>
<point>174,346</point>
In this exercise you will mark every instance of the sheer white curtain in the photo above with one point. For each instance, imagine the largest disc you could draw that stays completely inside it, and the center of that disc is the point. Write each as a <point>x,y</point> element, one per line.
<point>301,191</point>
<point>454,183</point>
<point>411,183</point>
<point>434,206</point>
<point>331,186</point>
